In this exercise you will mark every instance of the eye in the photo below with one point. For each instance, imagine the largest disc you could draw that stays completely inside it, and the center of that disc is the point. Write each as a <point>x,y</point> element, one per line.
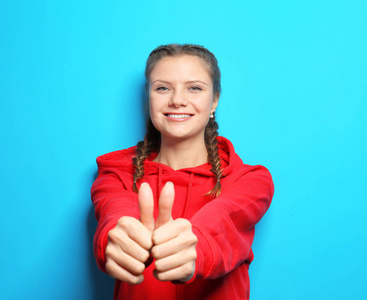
<point>196,88</point>
<point>162,88</point>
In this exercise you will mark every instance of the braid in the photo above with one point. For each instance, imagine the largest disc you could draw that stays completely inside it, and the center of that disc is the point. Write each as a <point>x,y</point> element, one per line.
<point>144,148</point>
<point>211,133</point>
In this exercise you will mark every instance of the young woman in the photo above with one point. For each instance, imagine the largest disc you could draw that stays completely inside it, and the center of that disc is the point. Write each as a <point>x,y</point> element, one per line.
<point>176,213</point>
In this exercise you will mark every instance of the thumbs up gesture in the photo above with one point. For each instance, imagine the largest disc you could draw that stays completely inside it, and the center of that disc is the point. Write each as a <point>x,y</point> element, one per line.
<point>171,242</point>
<point>130,241</point>
<point>174,242</point>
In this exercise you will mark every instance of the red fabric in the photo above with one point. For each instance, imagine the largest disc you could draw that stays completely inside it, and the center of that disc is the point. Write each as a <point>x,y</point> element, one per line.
<point>224,225</point>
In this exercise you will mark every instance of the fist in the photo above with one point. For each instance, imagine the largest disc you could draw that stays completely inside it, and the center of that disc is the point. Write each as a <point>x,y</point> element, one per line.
<point>174,243</point>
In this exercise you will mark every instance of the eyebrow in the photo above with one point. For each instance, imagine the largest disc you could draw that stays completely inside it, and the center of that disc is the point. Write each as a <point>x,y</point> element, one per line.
<point>190,81</point>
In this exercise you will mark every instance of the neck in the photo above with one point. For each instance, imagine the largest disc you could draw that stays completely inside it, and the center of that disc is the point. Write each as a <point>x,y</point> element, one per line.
<point>179,154</point>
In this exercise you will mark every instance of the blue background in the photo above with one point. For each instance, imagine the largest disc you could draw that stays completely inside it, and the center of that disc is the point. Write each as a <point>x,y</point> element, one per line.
<point>294,99</point>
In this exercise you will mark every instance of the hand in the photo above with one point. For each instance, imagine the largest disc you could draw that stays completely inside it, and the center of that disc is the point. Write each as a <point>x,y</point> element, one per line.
<point>130,241</point>
<point>174,242</point>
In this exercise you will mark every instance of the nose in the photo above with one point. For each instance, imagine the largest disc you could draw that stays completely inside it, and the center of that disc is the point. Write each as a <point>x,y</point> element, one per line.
<point>178,99</point>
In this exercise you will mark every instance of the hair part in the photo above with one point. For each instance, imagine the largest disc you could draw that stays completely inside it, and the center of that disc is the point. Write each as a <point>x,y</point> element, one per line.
<point>172,50</point>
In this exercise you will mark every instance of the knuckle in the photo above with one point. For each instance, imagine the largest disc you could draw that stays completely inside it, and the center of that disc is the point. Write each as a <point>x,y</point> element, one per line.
<point>187,269</point>
<point>147,245</point>
<point>113,270</point>
<point>133,280</point>
<point>109,251</point>
<point>155,252</point>
<point>112,235</point>
<point>190,241</point>
<point>193,239</point>
<point>158,266</point>
<point>115,238</point>
<point>193,255</point>
<point>184,224</point>
<point>144,256</point>
<point>110,267</point>
<point>137,279</point>
<point>155,238</point>
<point>161,276</point>
<point>123,222</point>
<point>139,269</point>
<point>190,255</point>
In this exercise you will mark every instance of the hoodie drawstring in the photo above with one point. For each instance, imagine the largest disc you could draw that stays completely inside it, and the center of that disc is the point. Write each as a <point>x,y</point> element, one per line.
<point>159,187</point>
<point>188,195</point>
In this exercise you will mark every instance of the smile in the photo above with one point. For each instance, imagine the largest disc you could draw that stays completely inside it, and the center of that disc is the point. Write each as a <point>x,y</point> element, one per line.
<point>178,116</point>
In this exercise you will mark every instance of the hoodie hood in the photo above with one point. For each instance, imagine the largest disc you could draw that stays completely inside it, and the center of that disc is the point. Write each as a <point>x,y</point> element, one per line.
<point>191,181</point>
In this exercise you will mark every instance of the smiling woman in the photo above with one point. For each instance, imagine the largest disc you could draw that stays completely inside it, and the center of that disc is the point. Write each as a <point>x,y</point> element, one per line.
<point>176,213</point>
<point>181,100</point>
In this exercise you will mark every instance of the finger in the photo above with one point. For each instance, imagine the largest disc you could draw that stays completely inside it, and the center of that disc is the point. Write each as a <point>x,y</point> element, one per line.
<point>135,230</point>
<point>171,230</point>
<point>115,271</point>
<point>146,206</point>
<point>124,260</point>
<point>128,245</point>
<point>174,246</point>
<point>174,261</point>
<point>166,200</point>
<point>136,251</point>
<point>182,273</point>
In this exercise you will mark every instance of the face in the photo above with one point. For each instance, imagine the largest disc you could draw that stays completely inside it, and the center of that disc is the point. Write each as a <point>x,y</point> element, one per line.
<point>181,97</point>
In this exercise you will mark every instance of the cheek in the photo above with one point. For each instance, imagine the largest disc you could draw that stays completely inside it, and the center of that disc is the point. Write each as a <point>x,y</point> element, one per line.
<point>154,111</point>
<point>152,105</point>
<point>157,104</point>
<point>206,105</point>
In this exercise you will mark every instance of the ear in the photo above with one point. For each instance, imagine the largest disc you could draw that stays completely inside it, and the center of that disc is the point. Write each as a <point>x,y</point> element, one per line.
<point>215,102</point>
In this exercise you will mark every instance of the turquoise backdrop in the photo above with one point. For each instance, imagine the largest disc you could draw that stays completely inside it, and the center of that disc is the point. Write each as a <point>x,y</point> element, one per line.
<point>294,99</point>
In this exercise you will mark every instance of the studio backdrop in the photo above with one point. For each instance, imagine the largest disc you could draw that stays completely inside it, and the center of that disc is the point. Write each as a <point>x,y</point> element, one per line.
<point>293,99</point>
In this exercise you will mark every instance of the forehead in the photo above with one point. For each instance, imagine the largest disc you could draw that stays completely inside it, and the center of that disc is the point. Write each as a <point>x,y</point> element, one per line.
<point>180,66</point>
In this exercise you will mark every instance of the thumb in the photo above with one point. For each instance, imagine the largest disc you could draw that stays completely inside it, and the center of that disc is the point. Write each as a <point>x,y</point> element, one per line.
<point>146,206</point>
<point>166,200</point>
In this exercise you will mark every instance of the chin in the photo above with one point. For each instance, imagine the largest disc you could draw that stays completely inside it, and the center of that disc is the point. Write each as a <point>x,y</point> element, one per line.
<point>182,135</point>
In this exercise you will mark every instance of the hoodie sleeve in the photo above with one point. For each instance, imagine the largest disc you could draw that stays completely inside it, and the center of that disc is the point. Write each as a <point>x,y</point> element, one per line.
<point>112,198</point>
<point>225,226</point>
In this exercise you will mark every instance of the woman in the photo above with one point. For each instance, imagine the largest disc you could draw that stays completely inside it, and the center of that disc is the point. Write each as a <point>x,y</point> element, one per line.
<point>176,213</point>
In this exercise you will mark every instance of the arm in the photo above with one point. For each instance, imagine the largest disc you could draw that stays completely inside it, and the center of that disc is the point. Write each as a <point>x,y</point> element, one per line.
<point>125,251</point>
<point>218,237</point>
<point>111,201</point>
<point>225,226</point>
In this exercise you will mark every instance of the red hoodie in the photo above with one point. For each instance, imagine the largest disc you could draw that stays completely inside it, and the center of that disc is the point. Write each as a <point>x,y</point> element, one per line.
<point>224,226</point>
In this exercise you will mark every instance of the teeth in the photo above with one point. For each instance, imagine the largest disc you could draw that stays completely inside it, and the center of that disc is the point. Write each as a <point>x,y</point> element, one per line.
<point>178,116</point>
